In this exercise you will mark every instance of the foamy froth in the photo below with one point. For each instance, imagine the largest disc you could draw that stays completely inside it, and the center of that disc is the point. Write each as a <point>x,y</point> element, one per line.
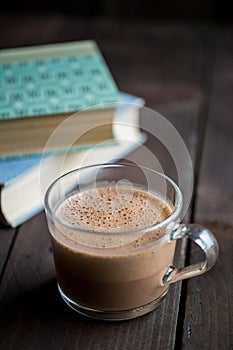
<point>112,209</point>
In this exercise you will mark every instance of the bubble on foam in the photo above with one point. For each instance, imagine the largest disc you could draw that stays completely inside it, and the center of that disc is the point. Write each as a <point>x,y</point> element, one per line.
<point>113,209</point>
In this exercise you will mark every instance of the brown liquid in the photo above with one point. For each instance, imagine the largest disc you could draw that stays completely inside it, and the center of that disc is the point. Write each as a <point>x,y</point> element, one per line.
<point>106,276</point>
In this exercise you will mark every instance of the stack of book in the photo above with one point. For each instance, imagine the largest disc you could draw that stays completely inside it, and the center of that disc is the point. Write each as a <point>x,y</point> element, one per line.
<point>60,109</point>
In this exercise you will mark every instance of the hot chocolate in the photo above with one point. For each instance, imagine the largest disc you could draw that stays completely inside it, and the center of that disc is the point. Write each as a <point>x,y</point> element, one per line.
<point>105,256</point>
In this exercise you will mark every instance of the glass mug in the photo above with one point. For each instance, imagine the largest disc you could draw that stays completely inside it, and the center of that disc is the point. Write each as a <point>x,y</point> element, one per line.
<point>121,265</point>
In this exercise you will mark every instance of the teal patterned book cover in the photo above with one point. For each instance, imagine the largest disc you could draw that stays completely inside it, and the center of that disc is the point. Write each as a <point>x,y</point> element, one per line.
<point>54,79</point>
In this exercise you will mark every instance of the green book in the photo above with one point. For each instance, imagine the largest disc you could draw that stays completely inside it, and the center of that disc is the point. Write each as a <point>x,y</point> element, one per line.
<point>49,83</point>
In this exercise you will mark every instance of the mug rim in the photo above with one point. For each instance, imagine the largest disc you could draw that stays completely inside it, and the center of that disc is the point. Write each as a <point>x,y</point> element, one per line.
<point>170,218</point>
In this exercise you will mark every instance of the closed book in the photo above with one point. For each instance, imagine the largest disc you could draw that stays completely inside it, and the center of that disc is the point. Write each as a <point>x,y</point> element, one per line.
<point>24,180</point>
<point>42,86</point>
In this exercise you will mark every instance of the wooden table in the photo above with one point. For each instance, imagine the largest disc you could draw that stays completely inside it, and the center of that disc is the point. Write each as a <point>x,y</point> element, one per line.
<point>184,71</point>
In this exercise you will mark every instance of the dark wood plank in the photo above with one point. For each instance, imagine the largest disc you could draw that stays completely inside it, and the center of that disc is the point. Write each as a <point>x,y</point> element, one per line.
<point>163,64</point>
<point>209,308</point>
<point>27,29</point>
<point>6,238</point>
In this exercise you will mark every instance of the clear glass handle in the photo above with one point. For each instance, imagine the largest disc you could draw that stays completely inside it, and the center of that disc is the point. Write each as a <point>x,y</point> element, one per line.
<point>205,240</point>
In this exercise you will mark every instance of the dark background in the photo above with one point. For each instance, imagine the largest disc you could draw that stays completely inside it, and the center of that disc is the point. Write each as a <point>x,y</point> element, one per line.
<point>213,10</point>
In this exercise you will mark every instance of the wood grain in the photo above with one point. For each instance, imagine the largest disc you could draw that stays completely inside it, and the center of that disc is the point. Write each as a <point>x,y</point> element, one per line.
<point>209,306</point>
<point>7,236</point>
